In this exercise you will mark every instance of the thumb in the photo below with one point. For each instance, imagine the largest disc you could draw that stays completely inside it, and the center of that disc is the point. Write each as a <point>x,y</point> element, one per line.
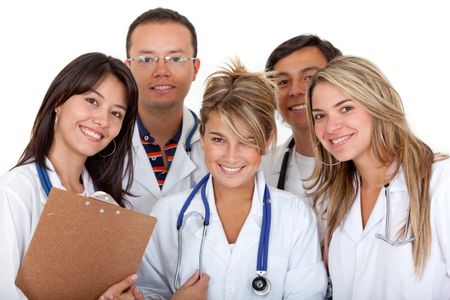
<point>204,279</point>
<point>192,280</point>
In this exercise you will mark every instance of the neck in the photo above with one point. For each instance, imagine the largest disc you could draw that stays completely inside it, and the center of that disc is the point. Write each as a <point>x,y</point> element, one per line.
<point>373,173</point>
<point>68,168</point>
<point>162,124</point>
<point>302,139</point>
<point>236,195</point>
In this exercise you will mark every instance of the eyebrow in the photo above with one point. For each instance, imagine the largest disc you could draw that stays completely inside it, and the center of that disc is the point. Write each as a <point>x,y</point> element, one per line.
<point>143,52</point>
<point>336,105</point>
<point>116,105</point>
<point>301,71</point>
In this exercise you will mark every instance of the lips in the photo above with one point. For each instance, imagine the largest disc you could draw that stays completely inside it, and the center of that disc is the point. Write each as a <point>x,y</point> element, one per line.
<point>340,140</point>
<point>297,107</point>
<point>231,171</point>
<point>93,135</point>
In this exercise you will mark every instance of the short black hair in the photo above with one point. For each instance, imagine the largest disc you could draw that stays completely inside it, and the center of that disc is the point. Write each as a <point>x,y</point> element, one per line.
<point>299,42</point>
<point>161,15</point>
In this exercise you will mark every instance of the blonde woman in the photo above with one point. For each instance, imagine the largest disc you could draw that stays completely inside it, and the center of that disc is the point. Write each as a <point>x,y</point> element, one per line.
<point>387,194</point>
<point>253,242</point>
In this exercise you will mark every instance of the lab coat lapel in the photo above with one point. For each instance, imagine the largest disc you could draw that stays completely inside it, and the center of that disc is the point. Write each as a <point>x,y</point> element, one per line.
<point>353,221</point>
<point>377,215</point>
<point>143,170</point>
<point>215,239</point>
<point>249,236</point>
<point>182,165</point>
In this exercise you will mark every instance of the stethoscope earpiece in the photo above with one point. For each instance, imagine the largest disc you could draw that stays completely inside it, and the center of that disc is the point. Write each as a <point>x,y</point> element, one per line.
<point>261,285</point>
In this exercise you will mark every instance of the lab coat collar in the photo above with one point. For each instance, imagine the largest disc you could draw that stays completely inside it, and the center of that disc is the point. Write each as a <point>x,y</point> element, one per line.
<point>353,221</point>
<point>216,239</point>
<point>181,167</point>
<point>56,182</point>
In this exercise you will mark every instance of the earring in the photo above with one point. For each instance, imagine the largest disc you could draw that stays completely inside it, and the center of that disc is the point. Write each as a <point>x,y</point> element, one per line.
<point>111,153</point>
<point>324,163</point>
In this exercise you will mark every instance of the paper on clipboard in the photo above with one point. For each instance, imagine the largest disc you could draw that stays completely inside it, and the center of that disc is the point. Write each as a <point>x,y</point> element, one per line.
<point>82,246</point>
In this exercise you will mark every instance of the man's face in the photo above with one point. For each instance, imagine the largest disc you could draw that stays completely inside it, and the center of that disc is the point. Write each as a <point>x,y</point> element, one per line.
<point>162,85</point>
<point>294,72</point>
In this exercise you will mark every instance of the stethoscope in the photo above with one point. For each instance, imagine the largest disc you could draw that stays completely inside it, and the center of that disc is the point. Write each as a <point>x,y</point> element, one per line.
<point>260,284</point>
<point>188,142</point>
<point>405,239</point>
<point>284,165</point>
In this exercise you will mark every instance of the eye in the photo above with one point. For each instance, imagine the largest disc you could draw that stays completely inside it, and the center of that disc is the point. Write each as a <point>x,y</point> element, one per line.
<point>308,78</point>
<point>346,109</point>
<point>92,101</point>
<point>282,82</point>
<point>217,140</point>
<point>147,59</point>
<point>117,114</point>
<point>318,116</point>
<point>175,59</point>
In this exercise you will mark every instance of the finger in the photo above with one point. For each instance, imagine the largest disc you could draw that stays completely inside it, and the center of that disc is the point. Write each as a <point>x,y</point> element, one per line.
<point>137,294</point>
<point>192,280</point>
<point>203,281</point>
<point>118,288</point>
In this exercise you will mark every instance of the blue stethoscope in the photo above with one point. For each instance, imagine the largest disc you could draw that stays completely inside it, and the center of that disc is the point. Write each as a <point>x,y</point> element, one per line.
<point>260,284</point>
<point>43,178</point>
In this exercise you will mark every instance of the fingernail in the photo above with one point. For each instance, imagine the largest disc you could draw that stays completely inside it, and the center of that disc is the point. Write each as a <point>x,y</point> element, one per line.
<point>134,276</point>
<point>101,298</point>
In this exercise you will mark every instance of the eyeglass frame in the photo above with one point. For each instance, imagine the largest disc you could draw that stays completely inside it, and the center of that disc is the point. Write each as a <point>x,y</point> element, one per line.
<point>168,59</point>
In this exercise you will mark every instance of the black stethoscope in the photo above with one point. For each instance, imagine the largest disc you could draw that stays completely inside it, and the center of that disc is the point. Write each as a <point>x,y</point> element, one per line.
<point>284,165</point>
<point>260,284</point>
<point>188,141</point>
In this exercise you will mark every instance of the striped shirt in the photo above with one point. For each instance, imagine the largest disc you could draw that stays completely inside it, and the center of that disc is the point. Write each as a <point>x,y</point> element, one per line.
<point>155,154</point>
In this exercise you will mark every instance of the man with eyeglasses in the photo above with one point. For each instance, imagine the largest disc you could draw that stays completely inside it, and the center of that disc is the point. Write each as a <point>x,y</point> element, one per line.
<point>161,49</point>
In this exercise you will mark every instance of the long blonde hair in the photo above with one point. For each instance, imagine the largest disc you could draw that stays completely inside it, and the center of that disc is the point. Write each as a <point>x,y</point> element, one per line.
<point>392,140</point>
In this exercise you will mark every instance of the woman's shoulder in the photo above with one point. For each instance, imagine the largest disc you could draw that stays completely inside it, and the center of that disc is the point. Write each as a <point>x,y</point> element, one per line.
<point>19,177</point>
<point>170,202</point>
<point>287,201</point>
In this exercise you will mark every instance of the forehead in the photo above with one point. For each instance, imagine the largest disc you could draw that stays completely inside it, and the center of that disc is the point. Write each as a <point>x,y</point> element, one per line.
<point>161,37</point>
<point>215,123</point>
<point>326,95</point>
<point>304,58</point>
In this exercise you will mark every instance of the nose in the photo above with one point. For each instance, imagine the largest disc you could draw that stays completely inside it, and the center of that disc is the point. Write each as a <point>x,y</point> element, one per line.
<point>333,123</point>
<point>101,118</point>
<point>298,88</point>
<point>161,68</point>
<point>232,155</point>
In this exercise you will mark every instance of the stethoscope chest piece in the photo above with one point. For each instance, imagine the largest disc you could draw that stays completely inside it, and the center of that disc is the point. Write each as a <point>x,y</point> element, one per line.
<point>261,285</point>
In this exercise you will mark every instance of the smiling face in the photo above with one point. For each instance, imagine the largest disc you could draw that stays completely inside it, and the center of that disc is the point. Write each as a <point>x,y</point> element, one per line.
<point>294,72</point>
<point>162,86</point>
<point>342,126</point>
<point>85,124</point>
<point>232,163</point>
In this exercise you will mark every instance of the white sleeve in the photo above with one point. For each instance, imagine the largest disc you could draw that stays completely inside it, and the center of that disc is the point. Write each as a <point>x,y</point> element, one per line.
<point>152,279</point>
<point>12,242</point>
<point>306,277</point>
<point>440,217</point>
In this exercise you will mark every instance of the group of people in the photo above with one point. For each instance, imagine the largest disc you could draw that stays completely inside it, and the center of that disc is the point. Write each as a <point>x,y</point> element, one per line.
<point>351,206</point>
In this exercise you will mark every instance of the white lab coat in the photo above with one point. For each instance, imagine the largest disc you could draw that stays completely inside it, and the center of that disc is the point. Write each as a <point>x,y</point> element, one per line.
<point>295,266</point>
<point>299,167</point>
<point>365,267</point>
<point>184,171</point>
<point>22,200</point>
<point>272,165</point>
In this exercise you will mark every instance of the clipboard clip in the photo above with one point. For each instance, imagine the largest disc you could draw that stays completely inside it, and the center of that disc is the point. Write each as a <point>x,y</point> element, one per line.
<point>105,197</point>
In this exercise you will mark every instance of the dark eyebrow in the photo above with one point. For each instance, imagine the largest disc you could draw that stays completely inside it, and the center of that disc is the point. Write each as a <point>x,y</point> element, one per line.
<point>215,133</point>
<point>101,96</point>
<point>301,71</point>
<point>336,105</point>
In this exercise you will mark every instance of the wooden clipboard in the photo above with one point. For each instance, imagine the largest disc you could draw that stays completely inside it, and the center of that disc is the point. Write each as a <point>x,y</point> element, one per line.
<point>81,247</point>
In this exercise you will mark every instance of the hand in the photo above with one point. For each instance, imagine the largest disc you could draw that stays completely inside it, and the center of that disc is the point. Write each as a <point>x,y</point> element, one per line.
<point>193,289</point>
<point>124,290</point>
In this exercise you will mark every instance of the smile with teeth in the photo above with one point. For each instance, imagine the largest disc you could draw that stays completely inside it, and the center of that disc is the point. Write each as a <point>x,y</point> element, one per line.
<point>341,139</point>
<point>231,170</point>
<point>161,87</point>
<point>90,133</point>
<point>298,107</point>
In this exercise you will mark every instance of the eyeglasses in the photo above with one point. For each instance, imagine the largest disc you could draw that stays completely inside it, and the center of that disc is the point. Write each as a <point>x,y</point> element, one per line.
<point>152,61</point>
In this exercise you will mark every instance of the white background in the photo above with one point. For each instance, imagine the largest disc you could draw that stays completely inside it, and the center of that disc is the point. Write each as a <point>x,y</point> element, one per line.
<point>409,40</point>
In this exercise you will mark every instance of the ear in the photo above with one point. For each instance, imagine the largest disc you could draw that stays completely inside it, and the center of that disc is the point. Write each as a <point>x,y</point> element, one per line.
<point>127,63</point>
<point>196,68</point>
